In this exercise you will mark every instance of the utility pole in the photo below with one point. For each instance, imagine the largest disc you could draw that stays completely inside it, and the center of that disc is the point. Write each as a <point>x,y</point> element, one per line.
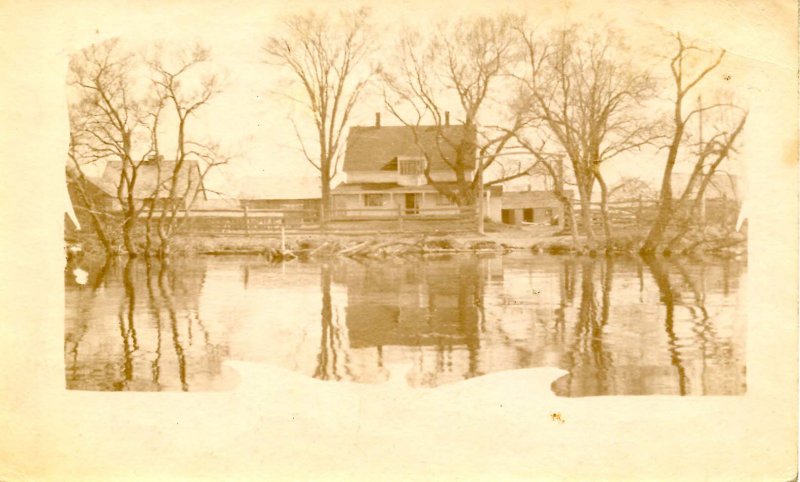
<point>700,148</point>
<point>480,197</point>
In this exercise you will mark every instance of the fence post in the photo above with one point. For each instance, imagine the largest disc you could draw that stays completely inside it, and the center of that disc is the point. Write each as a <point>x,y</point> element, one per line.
<point>283,235</point>
<point>246,222</point>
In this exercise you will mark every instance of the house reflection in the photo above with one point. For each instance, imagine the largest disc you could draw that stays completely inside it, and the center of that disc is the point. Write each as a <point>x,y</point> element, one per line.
<point>425,312</point>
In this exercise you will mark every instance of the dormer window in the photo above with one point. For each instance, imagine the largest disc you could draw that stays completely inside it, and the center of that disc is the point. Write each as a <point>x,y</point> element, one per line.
<point>409,167</point>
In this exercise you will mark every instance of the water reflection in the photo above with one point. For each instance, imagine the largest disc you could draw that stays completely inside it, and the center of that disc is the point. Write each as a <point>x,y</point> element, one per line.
<point>427,312</point>
<point>148,344</point>
<point>619,326</point>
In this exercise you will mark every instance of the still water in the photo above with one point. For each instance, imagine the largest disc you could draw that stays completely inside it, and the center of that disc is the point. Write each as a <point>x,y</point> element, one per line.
<point>619,326</point>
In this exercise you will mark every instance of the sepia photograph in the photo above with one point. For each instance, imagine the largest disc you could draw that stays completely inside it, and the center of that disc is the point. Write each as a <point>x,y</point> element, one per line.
<point>406,240</point>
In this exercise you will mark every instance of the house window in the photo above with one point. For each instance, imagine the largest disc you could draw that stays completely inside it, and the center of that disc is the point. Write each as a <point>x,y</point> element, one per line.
<point>374,200</point>
<point>410,167</point>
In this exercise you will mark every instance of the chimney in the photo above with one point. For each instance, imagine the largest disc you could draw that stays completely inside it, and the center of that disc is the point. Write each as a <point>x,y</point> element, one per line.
<point>377,119</point>
<point>447,118</point>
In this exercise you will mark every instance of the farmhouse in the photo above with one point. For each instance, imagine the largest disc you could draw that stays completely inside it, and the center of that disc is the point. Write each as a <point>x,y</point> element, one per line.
<point>385,169</point>
<point>152,185</point>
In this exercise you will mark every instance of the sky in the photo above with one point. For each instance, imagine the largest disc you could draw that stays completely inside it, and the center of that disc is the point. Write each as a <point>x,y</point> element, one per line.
<point>251,119</point>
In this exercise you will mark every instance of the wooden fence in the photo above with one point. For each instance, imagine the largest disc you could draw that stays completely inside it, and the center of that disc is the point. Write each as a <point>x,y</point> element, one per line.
<point>271,222</point>
<point>626,214</point>
<point>445,219</point>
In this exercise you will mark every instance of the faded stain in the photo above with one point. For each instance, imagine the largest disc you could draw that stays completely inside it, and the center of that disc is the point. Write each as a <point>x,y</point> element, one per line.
<point>790,151</point>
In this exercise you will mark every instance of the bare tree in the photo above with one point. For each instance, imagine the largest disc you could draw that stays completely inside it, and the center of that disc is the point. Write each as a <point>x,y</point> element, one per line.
<point>184,180</point>
<point>689,67</point>
<point>589,97</point>
<point>466,62</point>
<point>328,56</point>
<point>552,166</point>
<point>108,118</point>
<point>85,200</point>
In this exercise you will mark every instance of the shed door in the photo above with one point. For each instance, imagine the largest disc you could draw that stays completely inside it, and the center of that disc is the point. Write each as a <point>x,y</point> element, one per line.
<point>527,215</point>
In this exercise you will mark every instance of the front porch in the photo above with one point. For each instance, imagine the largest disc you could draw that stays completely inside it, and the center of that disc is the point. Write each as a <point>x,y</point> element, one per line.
<point>388,200</point>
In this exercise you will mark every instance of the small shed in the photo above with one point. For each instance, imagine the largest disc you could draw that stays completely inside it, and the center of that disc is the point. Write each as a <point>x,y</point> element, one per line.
<point>532,207</point>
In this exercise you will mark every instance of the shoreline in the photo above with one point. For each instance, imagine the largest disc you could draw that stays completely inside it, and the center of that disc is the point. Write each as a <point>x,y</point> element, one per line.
<point>321,246</point>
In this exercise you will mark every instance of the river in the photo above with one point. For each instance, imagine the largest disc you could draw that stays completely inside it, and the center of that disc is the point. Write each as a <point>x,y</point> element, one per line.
<point>619,326</point>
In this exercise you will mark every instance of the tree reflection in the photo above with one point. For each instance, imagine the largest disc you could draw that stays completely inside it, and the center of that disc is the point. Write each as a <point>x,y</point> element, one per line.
<point>566,287</point>
<point>143,298</point>
<point>710,345</point>
<point>628,358</point>
<point>589,362</point>
<point>669,298</point>
<point>127,329</point>
<point>327,349</point>
<point>155,311</point>
<point>84,318</point>
<point>331,344</point>
<point>169,304</point>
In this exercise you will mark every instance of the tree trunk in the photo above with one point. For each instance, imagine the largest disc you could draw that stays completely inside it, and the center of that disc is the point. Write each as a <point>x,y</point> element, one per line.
<point>585,193</point>
<point>604,206</point>
<point>480,200</point>
<point>325,202</point>
<point>163,240</point>
<point>148,236</point>
<point>128,228</point>
<point>101,235</point>
<point>664,216</point>
<point>656,233</point>
<point>569,213</point>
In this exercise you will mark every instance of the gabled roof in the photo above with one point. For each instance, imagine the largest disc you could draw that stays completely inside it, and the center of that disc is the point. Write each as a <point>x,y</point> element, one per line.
<point>148,176</point>
<point>377,148</point>
<point>531,199</point>
<point>264,187</point>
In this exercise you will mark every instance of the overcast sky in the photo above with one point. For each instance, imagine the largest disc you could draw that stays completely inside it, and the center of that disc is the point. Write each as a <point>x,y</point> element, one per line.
<point>252,121</point>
